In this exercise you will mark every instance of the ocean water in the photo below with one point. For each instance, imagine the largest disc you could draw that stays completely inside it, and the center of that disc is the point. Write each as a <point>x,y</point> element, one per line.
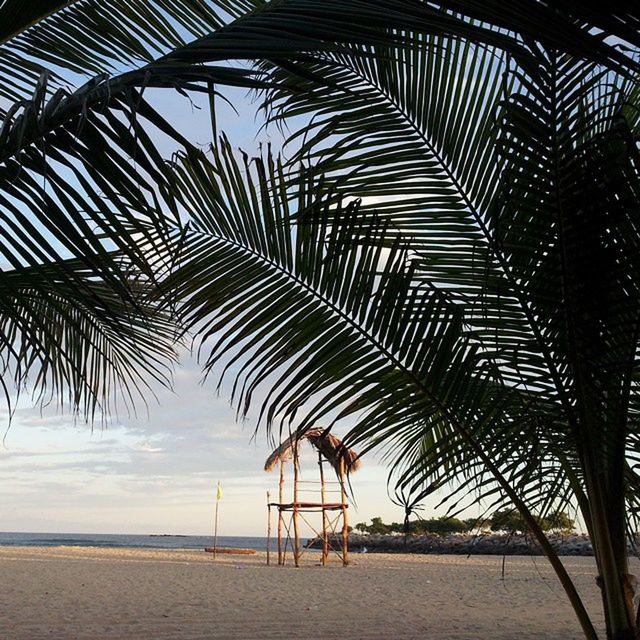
<point>138,541</point>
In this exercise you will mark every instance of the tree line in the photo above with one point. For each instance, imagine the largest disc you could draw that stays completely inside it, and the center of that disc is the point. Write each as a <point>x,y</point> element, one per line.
<point>504,520</point>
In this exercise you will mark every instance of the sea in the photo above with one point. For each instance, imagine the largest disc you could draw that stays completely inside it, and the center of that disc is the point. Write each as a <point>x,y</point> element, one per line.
<point>162,541</point>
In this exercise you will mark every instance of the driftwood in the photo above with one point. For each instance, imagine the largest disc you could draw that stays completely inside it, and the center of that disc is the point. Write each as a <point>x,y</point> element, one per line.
<point>231,551</point>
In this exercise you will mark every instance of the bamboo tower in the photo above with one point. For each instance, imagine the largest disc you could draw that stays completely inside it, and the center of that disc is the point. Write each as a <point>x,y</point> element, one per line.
<point>334,516</point>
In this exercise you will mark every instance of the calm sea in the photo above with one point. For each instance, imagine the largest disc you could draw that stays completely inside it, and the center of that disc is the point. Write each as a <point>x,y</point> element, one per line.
<point>117,540</point>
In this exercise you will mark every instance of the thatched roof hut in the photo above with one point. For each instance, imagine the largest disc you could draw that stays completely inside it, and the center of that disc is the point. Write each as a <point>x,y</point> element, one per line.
<point>328,445</point>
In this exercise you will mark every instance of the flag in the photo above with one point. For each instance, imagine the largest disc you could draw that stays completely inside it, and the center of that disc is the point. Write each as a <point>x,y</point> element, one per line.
<point>219,492</point>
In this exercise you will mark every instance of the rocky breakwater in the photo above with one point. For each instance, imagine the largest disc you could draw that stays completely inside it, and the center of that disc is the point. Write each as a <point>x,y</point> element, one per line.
<point>465,544</point>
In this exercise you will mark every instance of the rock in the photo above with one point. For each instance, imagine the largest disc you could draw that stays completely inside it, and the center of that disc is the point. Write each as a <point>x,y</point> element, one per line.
<point>468,544</point>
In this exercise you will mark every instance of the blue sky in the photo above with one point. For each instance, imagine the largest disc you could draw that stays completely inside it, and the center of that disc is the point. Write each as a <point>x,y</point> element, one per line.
<point>156,473</point>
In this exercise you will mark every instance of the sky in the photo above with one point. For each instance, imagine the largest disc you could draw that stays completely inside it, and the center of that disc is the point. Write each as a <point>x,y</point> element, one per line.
<point>152,473</point>
<point>156,472</point>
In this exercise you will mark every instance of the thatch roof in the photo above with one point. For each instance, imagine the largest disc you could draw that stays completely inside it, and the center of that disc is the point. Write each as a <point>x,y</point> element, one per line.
<point>328,445</point>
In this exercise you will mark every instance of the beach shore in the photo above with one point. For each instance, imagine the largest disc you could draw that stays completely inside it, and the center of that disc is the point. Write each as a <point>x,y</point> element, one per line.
<point>67,593</point>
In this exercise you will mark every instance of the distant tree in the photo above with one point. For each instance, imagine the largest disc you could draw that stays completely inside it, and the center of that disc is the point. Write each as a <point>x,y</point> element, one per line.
<point>508,520</point>
<point>476,523</point>
<point>376,527</point>
<point>407,498</point>
<point>560,522</point>
<point>379,527</point>
<point>396,527</point>
<point>441,526</point>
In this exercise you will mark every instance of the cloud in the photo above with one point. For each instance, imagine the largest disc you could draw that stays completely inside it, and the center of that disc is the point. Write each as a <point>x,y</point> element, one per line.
<point>155,474</point>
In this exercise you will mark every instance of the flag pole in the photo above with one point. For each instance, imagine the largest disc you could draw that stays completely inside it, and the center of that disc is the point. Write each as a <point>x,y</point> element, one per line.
<point>215,528</point>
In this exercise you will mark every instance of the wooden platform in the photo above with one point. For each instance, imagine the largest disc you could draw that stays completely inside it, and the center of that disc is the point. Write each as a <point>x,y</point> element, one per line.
<point>231,551</point>
<point>303,506</point>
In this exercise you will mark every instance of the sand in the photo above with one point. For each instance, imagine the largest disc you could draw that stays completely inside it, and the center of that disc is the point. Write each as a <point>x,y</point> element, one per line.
<point>67,593</point>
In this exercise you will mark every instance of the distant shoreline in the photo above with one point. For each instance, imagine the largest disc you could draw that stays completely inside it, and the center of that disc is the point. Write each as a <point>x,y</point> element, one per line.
<point>487,544</point>
<point>127,541</point>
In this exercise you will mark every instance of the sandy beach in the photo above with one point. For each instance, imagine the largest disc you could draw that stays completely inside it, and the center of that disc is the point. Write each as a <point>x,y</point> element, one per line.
<point>66,593</point>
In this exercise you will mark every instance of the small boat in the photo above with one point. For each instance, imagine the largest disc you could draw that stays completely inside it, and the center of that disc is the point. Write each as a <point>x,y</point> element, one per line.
<point>230,551</point>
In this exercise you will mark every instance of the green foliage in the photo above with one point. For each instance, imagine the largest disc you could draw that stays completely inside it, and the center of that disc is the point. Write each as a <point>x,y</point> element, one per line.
<point>376,527</point>
<point>476,523</point>
<point>560,522</point>
<point>507,520</point>
<point>511,521</point>
<point>440,526</point>
<point>85,203</point>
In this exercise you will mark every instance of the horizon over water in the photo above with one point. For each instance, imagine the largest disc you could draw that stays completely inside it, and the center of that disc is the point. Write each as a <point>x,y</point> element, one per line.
<point>141,541</point>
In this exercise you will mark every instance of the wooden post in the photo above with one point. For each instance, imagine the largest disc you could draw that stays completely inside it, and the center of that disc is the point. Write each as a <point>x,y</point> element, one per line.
<point>345,521</point>
<point>323,494</point>
<point>268,527</point>
<point>296,532</point>
<point>215,528</point>
<point>280,517</point>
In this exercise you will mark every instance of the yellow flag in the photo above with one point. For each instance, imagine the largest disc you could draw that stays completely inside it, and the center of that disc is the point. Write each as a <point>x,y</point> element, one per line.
<point>219,494</point>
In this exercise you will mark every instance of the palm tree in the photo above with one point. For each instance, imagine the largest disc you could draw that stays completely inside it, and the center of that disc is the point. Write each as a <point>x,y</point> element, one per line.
<point>478,309</point>
<point>78,176</point>
<point>449,260</point>
<point>68,187</point>
<point>83,186</point>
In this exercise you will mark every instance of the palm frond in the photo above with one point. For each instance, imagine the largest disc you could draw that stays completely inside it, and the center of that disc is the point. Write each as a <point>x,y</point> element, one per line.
<point>301,297</point>
<point>330,320</point>
<point>396,128</point>
<point>73,340</point>
<point>93,37</point>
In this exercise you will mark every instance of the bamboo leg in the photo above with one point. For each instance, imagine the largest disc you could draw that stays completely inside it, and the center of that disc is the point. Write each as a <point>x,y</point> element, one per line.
<point>296,532</point>
<point>268,528</point>
<point>280,517</point>
<point>325,538</point>
<point>345,521</point>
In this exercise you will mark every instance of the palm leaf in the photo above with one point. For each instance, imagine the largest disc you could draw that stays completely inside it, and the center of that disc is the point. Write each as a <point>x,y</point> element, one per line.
<point>427,135</point>
<point>74,340</point>
<point>91,37</point>
<point>330,317</point>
